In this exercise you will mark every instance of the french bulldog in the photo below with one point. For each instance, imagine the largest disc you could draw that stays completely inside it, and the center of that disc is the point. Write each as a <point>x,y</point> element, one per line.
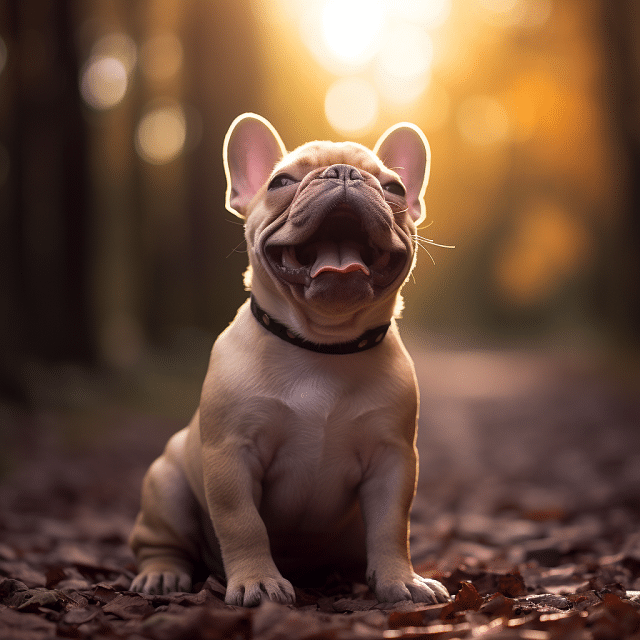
<point>302,452</point>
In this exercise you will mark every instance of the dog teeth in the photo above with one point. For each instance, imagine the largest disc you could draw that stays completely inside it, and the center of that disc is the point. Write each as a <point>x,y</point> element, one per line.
<point>289,259</point>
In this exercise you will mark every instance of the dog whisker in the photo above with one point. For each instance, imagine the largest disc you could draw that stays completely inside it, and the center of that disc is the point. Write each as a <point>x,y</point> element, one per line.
<point>422,242</point>
<point>419,244</point>
<point>235,249</point>
<point>432,242</point>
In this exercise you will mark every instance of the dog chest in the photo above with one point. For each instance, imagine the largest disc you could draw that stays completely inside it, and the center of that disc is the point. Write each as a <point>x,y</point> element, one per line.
<point>311,459</point>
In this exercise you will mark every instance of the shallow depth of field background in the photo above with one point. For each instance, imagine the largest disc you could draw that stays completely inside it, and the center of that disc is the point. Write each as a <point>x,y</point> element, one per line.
<point>118,256</point>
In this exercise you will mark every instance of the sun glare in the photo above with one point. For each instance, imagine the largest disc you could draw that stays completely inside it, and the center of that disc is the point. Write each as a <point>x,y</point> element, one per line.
<point>397,51</point>
<point>351,28</point>
<point>428,13</point>
<point>388,44</point>
<point>406,52</point>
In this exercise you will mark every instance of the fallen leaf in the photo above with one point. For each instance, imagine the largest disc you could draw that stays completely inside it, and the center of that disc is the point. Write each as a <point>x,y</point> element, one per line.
<point>417,618</point>
<point>18,625</point>
<point>349,605</point>
<point>467,599</point>
<point>129,607</point>
<point>33,600</point>
<point>498,606</point>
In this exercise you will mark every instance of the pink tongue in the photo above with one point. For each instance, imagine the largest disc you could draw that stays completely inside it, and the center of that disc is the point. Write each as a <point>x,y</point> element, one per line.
<point>339,257</point>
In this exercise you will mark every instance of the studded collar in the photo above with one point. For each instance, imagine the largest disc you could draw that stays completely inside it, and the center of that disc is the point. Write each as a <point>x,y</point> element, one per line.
<point>367,340</point>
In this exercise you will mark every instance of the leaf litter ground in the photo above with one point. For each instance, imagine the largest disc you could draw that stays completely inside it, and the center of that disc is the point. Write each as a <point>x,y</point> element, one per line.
<point>528,510</point>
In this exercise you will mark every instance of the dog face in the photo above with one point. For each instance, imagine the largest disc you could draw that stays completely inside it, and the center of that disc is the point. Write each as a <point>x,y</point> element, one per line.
<point>329,226</point>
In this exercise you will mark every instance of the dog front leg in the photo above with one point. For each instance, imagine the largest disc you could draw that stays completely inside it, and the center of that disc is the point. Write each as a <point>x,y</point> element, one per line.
<point>386,496</point>
<point>233,493</point>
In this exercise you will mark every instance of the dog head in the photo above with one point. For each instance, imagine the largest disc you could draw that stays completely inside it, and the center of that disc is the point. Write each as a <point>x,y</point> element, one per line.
<point>329,227</point>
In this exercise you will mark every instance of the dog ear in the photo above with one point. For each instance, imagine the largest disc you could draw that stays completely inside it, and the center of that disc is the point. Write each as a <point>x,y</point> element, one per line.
<point>252,147</point>
<point>404,149</point>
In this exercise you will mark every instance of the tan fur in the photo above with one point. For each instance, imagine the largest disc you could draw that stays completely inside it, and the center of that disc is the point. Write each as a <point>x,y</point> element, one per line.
<point>295,461</point>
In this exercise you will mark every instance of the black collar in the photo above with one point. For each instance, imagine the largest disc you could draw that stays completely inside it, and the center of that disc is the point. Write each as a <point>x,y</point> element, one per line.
<point>366,341</point>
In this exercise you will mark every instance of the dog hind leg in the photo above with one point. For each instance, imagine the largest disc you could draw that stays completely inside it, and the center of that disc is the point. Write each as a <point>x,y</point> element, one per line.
<point>164,535</point>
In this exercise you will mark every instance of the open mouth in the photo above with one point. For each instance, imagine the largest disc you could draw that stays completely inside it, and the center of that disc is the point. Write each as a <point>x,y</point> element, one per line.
<point>340,246</point>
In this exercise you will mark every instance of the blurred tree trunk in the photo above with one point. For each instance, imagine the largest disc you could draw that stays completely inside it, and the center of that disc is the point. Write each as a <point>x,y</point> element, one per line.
<point>221,92</point>
<point>45,217</point>
<point>621,49</point>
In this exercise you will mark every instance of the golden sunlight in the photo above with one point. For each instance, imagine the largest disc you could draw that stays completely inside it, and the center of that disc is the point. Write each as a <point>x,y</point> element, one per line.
<point>351,28</point>
<point>403,64</point>
<point>509,13</point>
<point>429,13</point>
<point>406,51</point>
<point>483,121</point>
<point>547,247</point>
<point>389,44</point>
<point>362,99</point>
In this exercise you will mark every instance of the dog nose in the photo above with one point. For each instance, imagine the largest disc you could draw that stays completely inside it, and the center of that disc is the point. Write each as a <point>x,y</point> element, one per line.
<point>342,172</point>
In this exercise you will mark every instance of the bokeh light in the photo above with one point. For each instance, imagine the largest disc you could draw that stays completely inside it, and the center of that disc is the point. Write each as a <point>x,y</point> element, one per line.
<point>351,106</point>
<point>546,248</point>
<point>351,28</point>
<point>532,95</point>
<point>161,134</point>
<point>511,13</point>
<point>343,37</point>
<point>104,78</point>
<point>429,13</point>
<point>400,92</point>
<point>161,56</point>
<point>119,46</point>
<point>406,51</point>
<point>436,107</point>
<point>388,44</point>
<point>483,121</point>
<point>403,63</point>
<point>103,82</point>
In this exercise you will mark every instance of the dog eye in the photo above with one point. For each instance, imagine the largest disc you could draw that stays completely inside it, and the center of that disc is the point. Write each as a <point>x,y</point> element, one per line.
<point>395,188</point>
<point>282,180</point>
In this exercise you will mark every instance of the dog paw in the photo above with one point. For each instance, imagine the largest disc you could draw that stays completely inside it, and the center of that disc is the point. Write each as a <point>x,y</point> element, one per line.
<point>251,592</point>
<point>161,582</point>
<point>413,587</point>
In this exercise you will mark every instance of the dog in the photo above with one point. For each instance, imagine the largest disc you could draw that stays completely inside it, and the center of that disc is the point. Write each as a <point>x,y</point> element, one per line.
<point>301,455</point>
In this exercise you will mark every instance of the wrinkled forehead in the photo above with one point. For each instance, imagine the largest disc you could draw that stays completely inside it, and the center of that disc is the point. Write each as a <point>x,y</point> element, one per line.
<point>324,154</point>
